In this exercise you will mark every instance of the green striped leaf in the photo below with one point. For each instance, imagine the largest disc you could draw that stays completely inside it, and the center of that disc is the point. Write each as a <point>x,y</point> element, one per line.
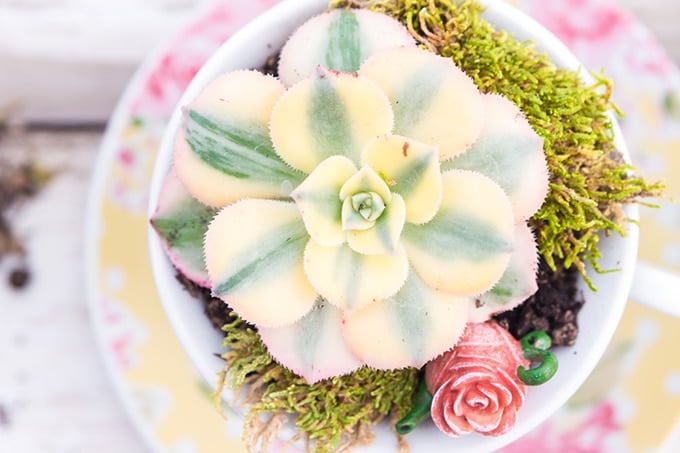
<point>223,151</point>
<point>313,347</point>
<point>181,222</point>
<point>329,121</point>
<point>343,48</point>
<point>458,233</point>
<point>466,247</point>
<point>254,255</point>
<point>244,152</point>
<point>340,40</point>
<point>518,282</point>
<point>411,169</point>
<point>327,115</point>
<point>350,280</point>
<point>511,153</point>
<point>433,100</point>
<point>408,329</point>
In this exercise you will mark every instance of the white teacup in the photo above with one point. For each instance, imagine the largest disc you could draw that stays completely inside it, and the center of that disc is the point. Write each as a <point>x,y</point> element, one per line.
<point>249,48</point>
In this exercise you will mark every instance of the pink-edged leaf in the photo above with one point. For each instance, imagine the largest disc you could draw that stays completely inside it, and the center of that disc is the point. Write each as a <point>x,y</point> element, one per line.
<point>253,253</point>
<point>433,100</point>
<point>181,222</point>
<point>408,329</point>
<point>313,347</point>
<point>341,40</point>
<point>518,282</point>
<point>511,153</point>
<point>466,247</point>
<point>223,151</point>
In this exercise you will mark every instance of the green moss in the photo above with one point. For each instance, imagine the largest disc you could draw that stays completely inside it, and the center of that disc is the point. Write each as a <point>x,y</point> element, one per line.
<point>589,183</point>
<point>332,411</point>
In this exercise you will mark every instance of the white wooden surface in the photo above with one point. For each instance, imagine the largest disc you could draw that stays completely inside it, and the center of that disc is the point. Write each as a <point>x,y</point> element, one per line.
<point>54,394</point>
<point>68,60</point>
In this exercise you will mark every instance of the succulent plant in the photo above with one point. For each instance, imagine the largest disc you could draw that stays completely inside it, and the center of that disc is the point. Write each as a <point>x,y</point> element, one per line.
<point>371,200</point>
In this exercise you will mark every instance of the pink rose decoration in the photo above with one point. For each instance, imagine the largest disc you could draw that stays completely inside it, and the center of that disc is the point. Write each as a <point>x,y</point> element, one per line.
<point>475,385</point>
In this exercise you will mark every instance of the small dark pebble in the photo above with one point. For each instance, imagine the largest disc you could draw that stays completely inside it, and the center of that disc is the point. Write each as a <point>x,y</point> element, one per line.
<point>19,278</point>
<point>271,66</point>
<point>554,308</point>
<point>17,182</point>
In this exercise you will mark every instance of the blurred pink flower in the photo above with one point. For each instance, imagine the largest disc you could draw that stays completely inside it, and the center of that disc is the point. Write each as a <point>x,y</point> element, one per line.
<point>590,435</point>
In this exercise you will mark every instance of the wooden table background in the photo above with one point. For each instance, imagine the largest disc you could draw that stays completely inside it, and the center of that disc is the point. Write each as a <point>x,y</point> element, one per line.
<point>63,64</point>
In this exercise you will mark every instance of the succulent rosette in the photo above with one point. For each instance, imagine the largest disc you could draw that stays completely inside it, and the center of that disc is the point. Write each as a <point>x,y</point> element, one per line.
<point>475,385</point>
<point>371,200</point>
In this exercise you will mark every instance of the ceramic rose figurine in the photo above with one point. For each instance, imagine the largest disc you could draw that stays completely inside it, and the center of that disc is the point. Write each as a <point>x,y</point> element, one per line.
<point>475,386</point>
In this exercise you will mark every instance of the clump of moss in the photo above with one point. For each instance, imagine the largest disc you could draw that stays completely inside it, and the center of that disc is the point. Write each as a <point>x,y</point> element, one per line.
<point>335,412</point>
<point>590,183</point>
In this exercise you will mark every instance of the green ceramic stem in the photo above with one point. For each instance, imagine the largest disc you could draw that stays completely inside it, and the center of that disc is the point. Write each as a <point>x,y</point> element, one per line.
<point>537,339</point>
<point>535,348</point>
<point>419,412</point>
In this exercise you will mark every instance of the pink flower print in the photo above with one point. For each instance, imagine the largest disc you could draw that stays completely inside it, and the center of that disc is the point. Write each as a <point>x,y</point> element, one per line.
<point>603,36</point>
<point>648,56</point>
<point>123,333</point>
<point>126,157</point>
<point>575,21</point>
<point>164,86</point>
<point>189,51</point>
<point>598,425</point>
<point>120,347</point>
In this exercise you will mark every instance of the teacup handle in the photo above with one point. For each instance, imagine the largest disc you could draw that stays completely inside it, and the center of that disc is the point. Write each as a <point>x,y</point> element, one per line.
<point>656,288</point>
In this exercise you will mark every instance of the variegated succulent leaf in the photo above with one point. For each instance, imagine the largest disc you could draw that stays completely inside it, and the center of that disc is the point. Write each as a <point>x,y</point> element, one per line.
<point>340,40</point>
<point>181,222</point>
<point>223,152</point>
<point>330,113</point>
<point>407,329</point>
<point>411,169</point>
<point>313,347</point>
<point>254,256</point>
<point>511,153</point>
<point>433,100</point>
<point>518,282</point>
<point>351,280</point>
<point>466,247</point>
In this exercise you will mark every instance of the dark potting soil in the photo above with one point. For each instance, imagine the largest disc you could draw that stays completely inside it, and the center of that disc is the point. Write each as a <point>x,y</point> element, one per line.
<point>554,308</point>
<point>215,309</point>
